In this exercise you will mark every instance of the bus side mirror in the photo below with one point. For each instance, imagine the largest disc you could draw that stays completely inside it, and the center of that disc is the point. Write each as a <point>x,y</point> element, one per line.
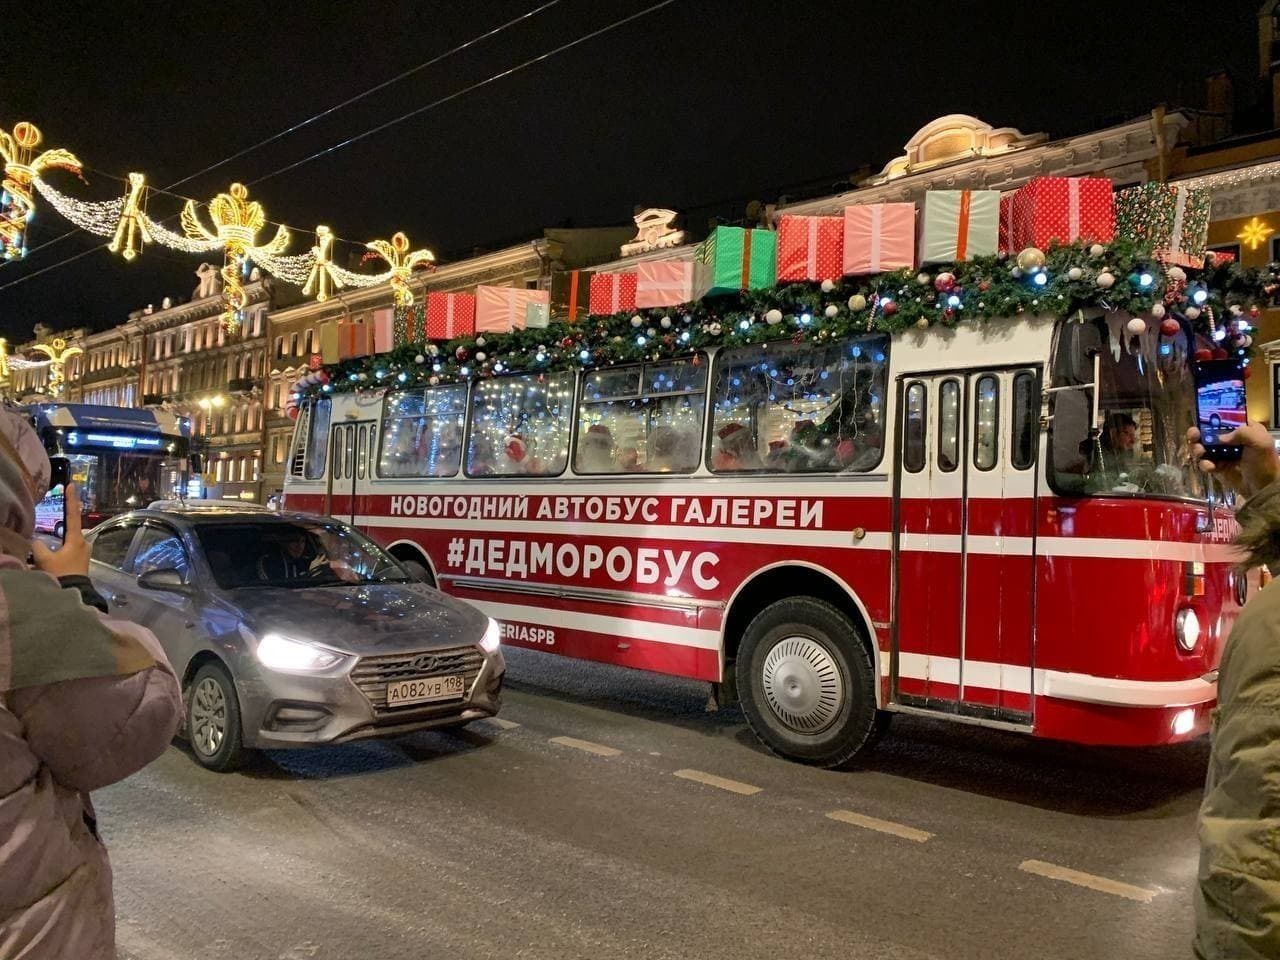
<point>196,463</point>
<point>1078,343</point>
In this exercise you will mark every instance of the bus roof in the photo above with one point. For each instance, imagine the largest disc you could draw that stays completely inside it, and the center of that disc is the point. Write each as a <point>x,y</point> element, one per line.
<point>87,416</point>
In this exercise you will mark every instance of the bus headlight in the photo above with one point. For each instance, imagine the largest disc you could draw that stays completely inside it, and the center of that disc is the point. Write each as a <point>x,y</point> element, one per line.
<point>1187,628</point>
<point>492,638</point>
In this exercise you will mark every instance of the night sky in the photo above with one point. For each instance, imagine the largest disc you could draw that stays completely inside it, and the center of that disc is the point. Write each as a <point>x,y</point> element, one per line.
<point>700,106</point>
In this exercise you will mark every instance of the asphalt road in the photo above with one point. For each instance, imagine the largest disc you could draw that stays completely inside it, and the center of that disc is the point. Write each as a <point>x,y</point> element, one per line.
<point>588,823</point>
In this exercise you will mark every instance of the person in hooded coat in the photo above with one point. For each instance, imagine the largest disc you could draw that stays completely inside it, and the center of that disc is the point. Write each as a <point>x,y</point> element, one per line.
<point>1237,899</point>
<point>84,702</point>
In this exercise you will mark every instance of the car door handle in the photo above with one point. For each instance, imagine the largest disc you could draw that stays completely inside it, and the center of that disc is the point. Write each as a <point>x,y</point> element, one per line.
<point>120,600</point>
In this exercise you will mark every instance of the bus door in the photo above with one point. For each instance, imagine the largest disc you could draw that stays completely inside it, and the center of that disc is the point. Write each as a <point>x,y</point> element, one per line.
<point>351,460</point>
<point>965,547</point>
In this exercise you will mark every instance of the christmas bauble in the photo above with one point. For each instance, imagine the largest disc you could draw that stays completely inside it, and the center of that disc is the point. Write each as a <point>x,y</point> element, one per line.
<point>1157,310</point>
<point>1097,250</point>
<point>773,317</point>
<point>828,286</point>
<point>1075,273</point>
<point>433,380</point>
<point>922,278</point>
<point>1236,309</point>
<point>480,341</point>
<point>1106,280</point>
<point>831,310</point>
<point>481,356</point>
<point>1192,313</point>
<point>665,323</point>
<point>923,323</point>
<point>1170,327</point>
<point>1246,342</point>
<point>1176,273</point>
<point>461,353</point>
<point>857,302</point>
<point>1032,258</point>
<point>944,282</point>
<point>637,321</point>
<point>1204,354</point>
<point>714,328</point>
<point>1136,326</point>
<point>888,308</point>
<point>1219,353</point>
<point>433,350</point>
<point>420,359</point>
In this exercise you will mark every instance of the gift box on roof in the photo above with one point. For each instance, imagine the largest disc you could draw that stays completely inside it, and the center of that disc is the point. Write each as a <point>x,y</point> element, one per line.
<point>329,352</point>
<point>1171,221</point>
<point>503,309</point>
<point>450,315</point>
<point>735,258</point>
<point>664,283</point>
<point>355,339</point>
<point>1049,210</point>
<point>613,292</point>
<point>879,237</point>
<point>570,295</point>
<point>959,225</point>
<point>383,332</point>
<point>537,314</point>
<point>810,248</point>
<point>1007,231</point>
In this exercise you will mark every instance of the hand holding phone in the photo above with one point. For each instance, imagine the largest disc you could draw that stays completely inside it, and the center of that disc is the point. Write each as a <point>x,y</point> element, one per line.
<point>1220,407</point>
<point>1258,466</point>
<point>72,558</point>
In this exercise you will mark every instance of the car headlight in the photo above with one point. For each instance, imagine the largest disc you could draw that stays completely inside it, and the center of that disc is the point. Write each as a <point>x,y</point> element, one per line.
<point>294,656</point>
<point>492,638</point>
<point>1187,629</point>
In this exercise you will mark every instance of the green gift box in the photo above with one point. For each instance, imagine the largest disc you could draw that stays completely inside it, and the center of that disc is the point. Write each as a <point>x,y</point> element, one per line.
<point>734,258</point>
<point>1169,219</point>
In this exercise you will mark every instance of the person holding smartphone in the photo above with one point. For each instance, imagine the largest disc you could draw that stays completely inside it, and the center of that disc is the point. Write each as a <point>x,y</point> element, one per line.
<point>1238,893</point>
<point>85,701</point>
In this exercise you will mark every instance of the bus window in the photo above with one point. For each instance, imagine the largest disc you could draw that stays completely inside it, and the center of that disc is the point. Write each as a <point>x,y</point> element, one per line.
<point>949,425</point>
<point>520,425</point>
<point>800,407</point>
<point>422,432</point>
<point>641,419</point>
<point>1022,451</point>
<point>318,438</point>
<point>986,427</point>
<point>913,439</point>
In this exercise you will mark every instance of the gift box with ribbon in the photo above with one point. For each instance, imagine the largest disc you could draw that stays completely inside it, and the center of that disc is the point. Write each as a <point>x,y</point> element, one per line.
<point>958,225</point>
<point>570,294</point>
<point>613,292</point>
<point>383,323</point>
<point>1049,210</point>
<point>879,237</point>
<point>503,309</point>
<point>329,352</point>
<point>450,315</point>
<point>1170,220</point>
<point>355,338</point>
<point>810,248</point>
<point>664,283</point>
<point>1006,224</point>
<point>735,258</point>
<point>410,324</point>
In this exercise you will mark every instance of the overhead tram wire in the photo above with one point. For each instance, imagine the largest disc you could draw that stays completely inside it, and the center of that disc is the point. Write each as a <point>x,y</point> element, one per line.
<point>453,96</point>
<point>298,126</point>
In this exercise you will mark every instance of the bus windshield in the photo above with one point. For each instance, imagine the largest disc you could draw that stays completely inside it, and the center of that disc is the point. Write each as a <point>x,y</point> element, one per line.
<point>1146,402</point>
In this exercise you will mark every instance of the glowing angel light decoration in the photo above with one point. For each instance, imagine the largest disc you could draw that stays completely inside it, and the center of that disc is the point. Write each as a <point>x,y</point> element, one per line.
<point>236,222</point>
<point>20,168</point>
<point>131,232</point>
<point>402,262</point>
<point>58,353</point>
<point>322,279</point>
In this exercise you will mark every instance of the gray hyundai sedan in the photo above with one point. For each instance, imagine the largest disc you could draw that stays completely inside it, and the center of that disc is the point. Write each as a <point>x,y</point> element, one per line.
<point>292,630</point>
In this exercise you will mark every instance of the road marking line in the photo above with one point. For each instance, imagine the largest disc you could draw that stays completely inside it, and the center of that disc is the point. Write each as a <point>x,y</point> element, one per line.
<point>1092,881</point>
<point>586,746</point>
<point>880,826</point>
<point>711,780</point>
<point>503,724</point>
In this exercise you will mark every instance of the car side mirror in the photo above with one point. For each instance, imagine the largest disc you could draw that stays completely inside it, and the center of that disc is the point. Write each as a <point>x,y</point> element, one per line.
<point>167,580</point>
<point>418,572</point>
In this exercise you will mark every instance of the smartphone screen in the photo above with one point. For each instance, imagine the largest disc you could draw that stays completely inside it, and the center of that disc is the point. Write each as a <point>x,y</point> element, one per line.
<point>51,512</point>
<point>1220,405</point>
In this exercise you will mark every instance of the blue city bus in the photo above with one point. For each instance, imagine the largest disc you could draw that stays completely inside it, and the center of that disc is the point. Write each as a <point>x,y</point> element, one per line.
<point>121,458</point>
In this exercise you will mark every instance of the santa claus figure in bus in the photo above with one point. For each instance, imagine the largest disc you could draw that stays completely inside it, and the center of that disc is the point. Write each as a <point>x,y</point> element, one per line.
<point>517,457</point>
<point>735,450</point>
<point>595,455</point>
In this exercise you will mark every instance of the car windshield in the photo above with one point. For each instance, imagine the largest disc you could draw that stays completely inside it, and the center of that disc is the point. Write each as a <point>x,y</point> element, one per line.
<point>293,553</point>
<point>1146,402</point>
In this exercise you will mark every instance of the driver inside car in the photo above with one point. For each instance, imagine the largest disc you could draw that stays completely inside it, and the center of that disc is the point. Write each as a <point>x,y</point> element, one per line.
<point>296,558</point>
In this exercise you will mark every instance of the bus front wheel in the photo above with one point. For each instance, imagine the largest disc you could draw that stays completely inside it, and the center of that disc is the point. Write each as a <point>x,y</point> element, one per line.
<point>807,682</point>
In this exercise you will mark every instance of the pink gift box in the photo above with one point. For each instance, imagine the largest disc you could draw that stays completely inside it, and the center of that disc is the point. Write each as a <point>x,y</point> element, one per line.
<point>879,237</point>
<point>450,315</point>
<point>613,292</point>
<point>384,337</point>
<point>810,248</point>
<point>1051,210</point>
<point>503,309</point>
<point>664,283</point>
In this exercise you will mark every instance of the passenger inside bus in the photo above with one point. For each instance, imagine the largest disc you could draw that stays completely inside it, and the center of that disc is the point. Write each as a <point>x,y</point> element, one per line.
<point>735,450</point>
<point>447,450</point>
<point>671,451</point>
<point>596,452</point>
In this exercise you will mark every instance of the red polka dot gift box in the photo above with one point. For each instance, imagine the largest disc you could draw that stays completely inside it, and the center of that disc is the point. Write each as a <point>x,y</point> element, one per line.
<point>1059,210</point>
<point>810,248</point>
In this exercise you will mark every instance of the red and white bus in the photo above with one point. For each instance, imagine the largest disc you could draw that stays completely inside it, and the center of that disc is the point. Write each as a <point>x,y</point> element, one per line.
<point>994,525</point>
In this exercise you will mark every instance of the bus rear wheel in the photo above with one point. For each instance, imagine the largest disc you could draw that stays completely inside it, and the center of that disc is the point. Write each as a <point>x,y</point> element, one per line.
<point>807,682</point>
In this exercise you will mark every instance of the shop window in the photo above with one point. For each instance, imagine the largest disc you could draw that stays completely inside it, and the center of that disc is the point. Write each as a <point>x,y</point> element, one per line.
<point>642,419</point>
<point>422,432</point>
<point>799,408</point>
<point>519,426</point>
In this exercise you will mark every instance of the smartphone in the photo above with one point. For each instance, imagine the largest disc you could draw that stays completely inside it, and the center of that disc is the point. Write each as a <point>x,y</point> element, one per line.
<point>1220,405</point>
<point>60,476</point>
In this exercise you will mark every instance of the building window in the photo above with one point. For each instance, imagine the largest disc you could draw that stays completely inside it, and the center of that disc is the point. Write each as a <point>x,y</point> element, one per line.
<point>293,345</point>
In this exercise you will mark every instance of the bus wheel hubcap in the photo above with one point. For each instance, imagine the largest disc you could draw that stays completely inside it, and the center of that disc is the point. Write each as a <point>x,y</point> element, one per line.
<point>802,684</point>
<point>208,716</point>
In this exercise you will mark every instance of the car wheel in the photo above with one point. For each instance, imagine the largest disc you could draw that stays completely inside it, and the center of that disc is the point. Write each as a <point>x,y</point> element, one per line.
<point>213,719</point>
<point>807,683</point>
<point>60,530</point>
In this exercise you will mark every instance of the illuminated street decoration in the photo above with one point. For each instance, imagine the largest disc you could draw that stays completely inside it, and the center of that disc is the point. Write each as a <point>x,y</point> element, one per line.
<point>58,352</point>
<point>321,279</point>
<point>1255,233</point>
<point>402,262</point>
<point>131,230</point>
<point>236,223</point>
<point>22,166</point>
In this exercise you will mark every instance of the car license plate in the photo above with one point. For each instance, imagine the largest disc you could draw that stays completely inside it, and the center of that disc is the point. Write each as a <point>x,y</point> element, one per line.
<point>424,691</point>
